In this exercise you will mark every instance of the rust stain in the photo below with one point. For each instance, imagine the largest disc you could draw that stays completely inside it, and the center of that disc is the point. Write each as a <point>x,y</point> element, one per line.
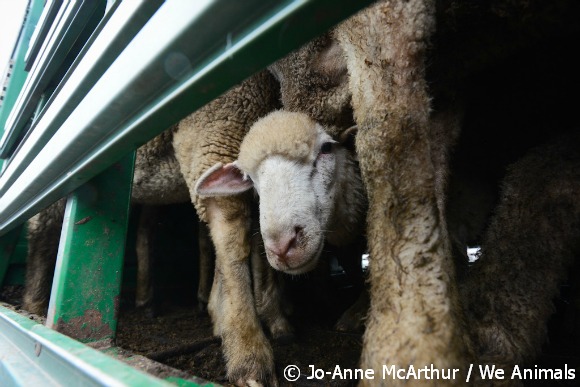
<point>88,327</point>
<point>84,220</point>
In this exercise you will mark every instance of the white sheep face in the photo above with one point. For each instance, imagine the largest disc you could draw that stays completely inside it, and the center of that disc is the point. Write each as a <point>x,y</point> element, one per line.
<point>295,167</point>
<point>296,204</point>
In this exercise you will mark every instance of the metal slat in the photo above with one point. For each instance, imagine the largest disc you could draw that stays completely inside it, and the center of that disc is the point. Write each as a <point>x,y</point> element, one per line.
<point>32,352</point>
<point>69,24</point>
<point>110,38</point>
<point>187,57</point>
<point>87,279</point>
<point>44,23</point>
<point>18,75</point>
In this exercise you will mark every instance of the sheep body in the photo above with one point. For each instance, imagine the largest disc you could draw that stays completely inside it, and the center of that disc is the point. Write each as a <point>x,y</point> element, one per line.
<point>532,239</point>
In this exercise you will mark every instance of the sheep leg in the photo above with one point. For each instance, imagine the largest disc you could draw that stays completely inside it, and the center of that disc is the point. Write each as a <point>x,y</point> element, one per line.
<point>352,320</point>
<point>350,258</point>
<point>210,135</point>
<point>268,292</point>
<point>145,290</point>
<point>214,307</point>
<point>249,356</point>
<point>43,238</point>
<point>206,267</point>
<point>415,318</point>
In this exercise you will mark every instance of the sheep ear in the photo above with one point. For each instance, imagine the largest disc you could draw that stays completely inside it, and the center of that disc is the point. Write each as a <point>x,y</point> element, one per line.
<point>347,138</point>
<point>331,62</point>
<point>222,180</point>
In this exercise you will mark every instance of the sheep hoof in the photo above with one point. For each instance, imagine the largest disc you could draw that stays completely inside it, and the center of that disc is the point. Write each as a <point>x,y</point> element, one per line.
<point>201,309</point>
<point>352,320</point>
<point>281,331</point>
<point>253,365</point>
<point>35,307</point>
<point>252,381</point>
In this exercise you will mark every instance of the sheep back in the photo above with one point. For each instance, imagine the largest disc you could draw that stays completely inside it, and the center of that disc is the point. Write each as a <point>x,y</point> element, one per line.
<point>214,133</point>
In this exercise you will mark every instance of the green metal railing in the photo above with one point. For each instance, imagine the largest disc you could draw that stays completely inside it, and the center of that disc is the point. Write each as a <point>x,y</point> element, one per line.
<point>147,65</point>
<point>136,99</point>
<point>34,355</point>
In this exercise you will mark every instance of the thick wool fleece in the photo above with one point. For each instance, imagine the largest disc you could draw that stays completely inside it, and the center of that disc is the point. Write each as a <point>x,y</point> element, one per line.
<point>157,179</point>
<point>214,133</point>
<point>314,80</point>
<point>266,139</point>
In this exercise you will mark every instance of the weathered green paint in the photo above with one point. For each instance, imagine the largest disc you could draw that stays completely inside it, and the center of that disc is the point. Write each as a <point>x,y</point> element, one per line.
<point>85,293</point>
<point>186,383</point>
<point>7,248</point>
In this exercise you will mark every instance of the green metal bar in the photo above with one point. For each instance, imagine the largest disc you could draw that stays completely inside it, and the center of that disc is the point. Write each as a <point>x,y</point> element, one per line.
<point>18,75</point>
<point>70,23</point>
<point>87,280</point>
<point>7,248</point>
<point>34,355</point>
<point>40,33</point>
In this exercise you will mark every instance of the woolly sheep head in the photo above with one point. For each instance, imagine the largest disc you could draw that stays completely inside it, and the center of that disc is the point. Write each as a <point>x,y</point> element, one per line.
<point>293,165</point>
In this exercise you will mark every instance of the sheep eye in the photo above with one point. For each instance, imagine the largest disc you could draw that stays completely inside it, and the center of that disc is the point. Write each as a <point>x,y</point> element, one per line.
<point>326,148</point>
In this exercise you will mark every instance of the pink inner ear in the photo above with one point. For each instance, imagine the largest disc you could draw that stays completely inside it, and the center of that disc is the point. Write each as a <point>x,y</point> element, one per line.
<point>223,181</point>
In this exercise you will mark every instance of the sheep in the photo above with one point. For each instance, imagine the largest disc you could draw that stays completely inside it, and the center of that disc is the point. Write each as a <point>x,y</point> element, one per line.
<point>392,51</point>
<point>415,316</point>
<point>309,187</point>
<point>531,241</point>
<point>211,135</point>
